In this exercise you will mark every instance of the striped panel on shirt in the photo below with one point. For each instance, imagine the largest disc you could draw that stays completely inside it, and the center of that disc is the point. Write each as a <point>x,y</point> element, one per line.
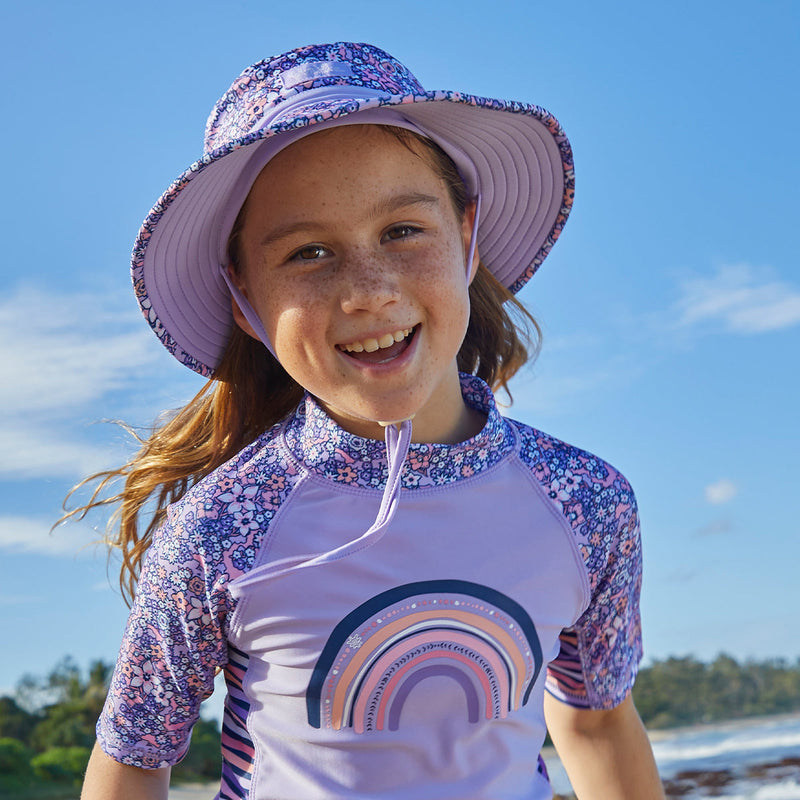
<point>238,751</point>
<point>565,678</point>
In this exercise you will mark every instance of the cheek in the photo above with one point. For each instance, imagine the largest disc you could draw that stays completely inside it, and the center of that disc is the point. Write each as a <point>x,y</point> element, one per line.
<point>286,307</point>
<point>288,324</point>
<point>447,282</point>
<point>299,333</point>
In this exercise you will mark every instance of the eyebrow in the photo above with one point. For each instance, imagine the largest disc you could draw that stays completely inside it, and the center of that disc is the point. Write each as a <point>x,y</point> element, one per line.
<point>385,205</point>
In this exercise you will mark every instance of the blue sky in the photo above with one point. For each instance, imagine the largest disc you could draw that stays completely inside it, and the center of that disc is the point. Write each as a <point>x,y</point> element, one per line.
<point>670,307</point>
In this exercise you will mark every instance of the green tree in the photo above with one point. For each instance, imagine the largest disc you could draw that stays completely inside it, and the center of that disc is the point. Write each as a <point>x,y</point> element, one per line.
<point>203,759</point>
<point>15,722</point>
<point>55,717</point>
<point>683,691</point>
<point>669,693</point>
<point>781,692</point>
<point>61,764</point>
<point>727,692</point>
<point>15,757</point>
<point>67,704</point>
<point>70,724</point>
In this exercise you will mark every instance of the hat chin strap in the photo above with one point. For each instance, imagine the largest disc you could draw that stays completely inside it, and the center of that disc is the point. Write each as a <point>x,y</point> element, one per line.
<point>398,440</point>
<point>248,312</point>
<point>473,239</point>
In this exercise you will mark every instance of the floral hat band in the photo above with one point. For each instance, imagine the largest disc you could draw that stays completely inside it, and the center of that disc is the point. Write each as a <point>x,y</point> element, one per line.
<point>513,156</point>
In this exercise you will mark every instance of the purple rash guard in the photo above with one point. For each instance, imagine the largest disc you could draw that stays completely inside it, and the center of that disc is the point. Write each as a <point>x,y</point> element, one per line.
<point>414,667</point>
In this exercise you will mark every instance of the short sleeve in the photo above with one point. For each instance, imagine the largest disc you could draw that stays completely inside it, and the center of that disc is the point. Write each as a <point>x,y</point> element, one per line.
<point>599,656</point>
<point>174,642</point>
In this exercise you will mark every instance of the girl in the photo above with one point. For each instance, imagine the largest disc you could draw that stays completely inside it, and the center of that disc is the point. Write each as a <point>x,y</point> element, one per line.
<point>390,573</point>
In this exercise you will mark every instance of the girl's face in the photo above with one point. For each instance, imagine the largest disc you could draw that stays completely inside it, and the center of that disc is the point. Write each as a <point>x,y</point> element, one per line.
<point>353,256</point>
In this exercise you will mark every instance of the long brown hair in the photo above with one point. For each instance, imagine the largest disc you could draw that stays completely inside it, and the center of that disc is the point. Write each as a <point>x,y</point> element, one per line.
<point>251,391</point>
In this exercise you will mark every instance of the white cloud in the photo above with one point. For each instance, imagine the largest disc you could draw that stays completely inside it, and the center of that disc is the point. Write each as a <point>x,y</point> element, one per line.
<point>31,451</point>
<point>555,381</point>
<point>741,299</point>
<point>682,575</point>
<point>21,534</point>
<point>63,351</point>
<point>721,492</point>
<point>18,600</point>
<point>548,393</point>
<point>717,527</point>
<point>68,357</point>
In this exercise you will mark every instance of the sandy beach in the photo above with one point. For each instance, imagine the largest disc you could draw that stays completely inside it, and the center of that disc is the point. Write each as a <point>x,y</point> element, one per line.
<point>194,791</point>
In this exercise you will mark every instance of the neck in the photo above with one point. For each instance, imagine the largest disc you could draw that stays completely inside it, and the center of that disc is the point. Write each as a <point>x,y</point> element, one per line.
<point>443,421</point>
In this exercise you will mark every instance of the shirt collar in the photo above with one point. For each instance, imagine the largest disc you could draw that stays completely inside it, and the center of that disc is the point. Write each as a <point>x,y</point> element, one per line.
<point>329,451</point>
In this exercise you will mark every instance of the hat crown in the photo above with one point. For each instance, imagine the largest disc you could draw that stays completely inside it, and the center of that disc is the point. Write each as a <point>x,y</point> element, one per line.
<point>255,98</point>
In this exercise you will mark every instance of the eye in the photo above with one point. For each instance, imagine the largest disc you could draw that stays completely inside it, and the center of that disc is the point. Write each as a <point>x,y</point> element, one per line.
<point>402,232</point>
<point>311,252</point>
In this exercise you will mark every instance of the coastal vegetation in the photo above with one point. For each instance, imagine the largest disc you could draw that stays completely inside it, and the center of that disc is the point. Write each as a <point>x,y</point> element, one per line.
<point>47,731</point>
<point>47,727</point>
<point>684,691</point>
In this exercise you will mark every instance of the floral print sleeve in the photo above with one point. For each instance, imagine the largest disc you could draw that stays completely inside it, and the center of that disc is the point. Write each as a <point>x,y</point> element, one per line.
<point>177,634</point>
<point>600,654</point>
<point>174,642</point>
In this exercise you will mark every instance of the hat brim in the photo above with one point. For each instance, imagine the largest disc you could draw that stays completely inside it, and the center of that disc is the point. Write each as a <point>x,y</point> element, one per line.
<point>525,176</point>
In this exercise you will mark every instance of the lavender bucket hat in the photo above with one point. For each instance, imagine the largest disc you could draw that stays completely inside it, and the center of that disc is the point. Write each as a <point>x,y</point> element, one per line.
<point>513,157</point>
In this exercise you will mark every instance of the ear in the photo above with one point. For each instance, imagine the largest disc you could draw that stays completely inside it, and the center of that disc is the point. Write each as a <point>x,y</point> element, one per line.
<point>238,315</point>
<point>468,230</point>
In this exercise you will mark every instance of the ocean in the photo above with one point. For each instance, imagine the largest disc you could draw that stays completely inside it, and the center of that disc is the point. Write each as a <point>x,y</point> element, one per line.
<point>744,760</point>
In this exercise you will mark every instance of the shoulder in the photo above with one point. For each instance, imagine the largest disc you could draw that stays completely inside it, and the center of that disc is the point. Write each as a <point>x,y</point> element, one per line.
<point>568,472</point>
<point>595,498</point>
<point>221,519</point>
<point>599,655</point>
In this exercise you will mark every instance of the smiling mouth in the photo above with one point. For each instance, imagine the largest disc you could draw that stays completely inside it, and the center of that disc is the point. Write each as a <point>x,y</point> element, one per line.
<point>386,347</point>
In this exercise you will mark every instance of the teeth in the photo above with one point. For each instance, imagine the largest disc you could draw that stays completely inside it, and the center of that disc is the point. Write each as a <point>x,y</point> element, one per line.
<point>371,345</point>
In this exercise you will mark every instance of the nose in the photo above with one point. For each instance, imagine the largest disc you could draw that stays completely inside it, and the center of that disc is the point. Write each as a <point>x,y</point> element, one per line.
<point>366,283</point>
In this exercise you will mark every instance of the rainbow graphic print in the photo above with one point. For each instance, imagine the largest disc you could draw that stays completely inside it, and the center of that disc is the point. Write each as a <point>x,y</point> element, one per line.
<point>473,635</point>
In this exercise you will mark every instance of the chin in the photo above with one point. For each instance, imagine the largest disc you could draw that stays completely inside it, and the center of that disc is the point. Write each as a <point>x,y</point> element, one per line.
<point>366,420</point>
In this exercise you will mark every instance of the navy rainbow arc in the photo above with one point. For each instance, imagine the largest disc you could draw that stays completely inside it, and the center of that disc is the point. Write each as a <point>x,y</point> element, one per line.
<point>373,660</point>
